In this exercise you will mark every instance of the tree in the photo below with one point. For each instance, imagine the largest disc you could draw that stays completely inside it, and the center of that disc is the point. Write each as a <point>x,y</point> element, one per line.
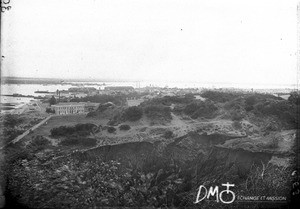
<point>124,127</point>
<point>49,110</point>
<point>52,101</point>
<point>294,98</point>
<point>133,113</point>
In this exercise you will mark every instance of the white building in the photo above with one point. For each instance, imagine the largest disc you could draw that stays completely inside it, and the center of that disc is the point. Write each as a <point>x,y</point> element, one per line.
<point>69,108</point>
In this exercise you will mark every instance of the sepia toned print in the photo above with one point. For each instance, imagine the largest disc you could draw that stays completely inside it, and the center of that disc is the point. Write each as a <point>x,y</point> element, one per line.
<point>149,104</point>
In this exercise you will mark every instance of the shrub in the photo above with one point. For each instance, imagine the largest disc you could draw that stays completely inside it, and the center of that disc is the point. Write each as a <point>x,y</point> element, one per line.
<point>15,152</point>
<point>78,129</point>
<point>168,100</point>
<point>283,110</point>
<point>133,113</point>
<point>52,101</point>
<point>49,110</point>
<point>70,142</point>
<point>116,119</point>
<point>10,121</point>
<point>168,134</point>
<point>200,109</point>
<point>218,96</point>
<point>157,112</point>
<point>10,133</point>
<point>111,129</point>
<point>124,127</point>
<point>91,114</point>
<point>39,143</point>
<point>294,98</point>
<point>250,100</point>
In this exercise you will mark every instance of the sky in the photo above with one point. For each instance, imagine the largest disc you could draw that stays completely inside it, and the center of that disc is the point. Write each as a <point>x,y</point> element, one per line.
<point>232,41</point>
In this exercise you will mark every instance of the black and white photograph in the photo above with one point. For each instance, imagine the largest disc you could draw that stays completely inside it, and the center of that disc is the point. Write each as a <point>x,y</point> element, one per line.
<point>150,104</point>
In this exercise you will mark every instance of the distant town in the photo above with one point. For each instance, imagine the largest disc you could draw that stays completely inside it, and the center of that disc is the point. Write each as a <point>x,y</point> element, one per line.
<point>64,99</point>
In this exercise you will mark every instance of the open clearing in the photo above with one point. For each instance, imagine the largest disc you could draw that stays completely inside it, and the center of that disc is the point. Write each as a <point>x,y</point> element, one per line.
<point>66,120</point>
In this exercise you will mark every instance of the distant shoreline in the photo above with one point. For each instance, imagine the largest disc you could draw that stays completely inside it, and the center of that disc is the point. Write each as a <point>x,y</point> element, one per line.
<point>99,82</point>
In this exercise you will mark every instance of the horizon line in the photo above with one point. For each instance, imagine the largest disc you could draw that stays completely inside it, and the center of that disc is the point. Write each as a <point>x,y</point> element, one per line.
<point>295,85</point>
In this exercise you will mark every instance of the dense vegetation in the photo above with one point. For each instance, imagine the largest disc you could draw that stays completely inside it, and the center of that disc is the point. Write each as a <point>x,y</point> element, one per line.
<point>218,96</point>
<point>111,129</point>
<point>124,127</point>
<point>241,105</point>
<point>200,109</point>
<point>168,100</point>
<point>52,101</point>
<point>133,113</point>
<point>8,125</point>
<point>77,130</point>
<point>158,112</point>
<point>138,180</point>
<point>38,143</point>
<point>166,177</point>
<point>295,98</point>
<point>49,110</point>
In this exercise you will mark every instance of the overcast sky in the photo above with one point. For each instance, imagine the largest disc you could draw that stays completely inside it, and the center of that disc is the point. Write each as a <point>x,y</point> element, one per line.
<point>233,41</point>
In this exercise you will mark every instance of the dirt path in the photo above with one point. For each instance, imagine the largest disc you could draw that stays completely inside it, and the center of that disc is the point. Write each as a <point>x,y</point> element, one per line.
<point>27,132</point>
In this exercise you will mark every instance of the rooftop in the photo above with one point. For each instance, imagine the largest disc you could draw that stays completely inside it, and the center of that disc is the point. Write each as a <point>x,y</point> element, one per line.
<point>70,104</point>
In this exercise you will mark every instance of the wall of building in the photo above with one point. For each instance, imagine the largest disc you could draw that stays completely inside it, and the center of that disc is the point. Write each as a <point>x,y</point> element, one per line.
<point>72,109</point>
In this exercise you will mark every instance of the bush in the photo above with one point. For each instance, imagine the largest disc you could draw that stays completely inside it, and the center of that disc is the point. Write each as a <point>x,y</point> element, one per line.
<point>10,121</point>
<point>10,133</point>
<point>200,109</point>
<point>111,129</point>
<point>250,100</point>
<point>78,129</point>
<point>49,110</point>
<point>158,112</point>
<point>116,119</point>
<point>15,152</point>
<point>283,110</point>
<point>39,143</point>
<point>101,108</point>
<point>168,134</point>
<point>91,114</point>
<point>124,127</point>
<point>133,113</point>
<point>168,100</point>
<point>294,98</point>
<point>52,101</point>
<point>221,97</point>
